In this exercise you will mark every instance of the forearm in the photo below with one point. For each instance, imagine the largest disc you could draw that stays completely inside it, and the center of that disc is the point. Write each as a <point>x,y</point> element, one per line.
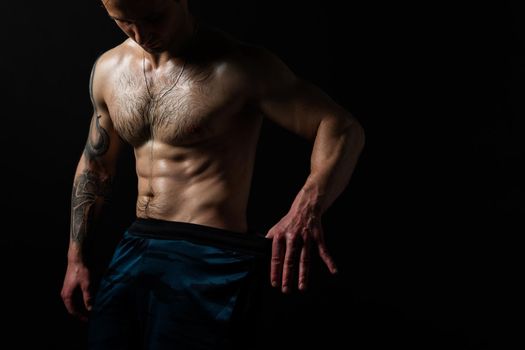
<point>91,190</point>
<point>337,146</point>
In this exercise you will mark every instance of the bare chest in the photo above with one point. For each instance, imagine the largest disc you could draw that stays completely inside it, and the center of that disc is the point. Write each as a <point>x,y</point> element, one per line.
<point>193,109</point>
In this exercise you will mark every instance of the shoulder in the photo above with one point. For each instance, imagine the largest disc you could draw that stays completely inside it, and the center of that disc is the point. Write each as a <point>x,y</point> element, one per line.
<point>266,71</point>
<point>107,64</point>
<point>109,60</point>
<point>217,45</point>
<point>250,62</point>
<point>261,61</point>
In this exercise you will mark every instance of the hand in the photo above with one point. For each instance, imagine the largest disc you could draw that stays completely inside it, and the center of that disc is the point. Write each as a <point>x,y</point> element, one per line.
<point>293,234</point>
<point>77,277</point>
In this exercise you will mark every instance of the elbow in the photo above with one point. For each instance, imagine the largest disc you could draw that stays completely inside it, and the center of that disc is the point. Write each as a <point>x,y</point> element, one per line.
<point>102,168</point>
<point>354,131</point>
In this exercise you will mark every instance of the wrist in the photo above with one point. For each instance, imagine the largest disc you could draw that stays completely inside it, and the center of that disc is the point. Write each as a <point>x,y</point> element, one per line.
<point>315,188</point>
<point>74,254</point>
<point>309,200</point>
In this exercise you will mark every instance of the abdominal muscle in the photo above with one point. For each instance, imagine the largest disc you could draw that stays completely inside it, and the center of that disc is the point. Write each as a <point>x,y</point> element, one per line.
<point>203,185</point>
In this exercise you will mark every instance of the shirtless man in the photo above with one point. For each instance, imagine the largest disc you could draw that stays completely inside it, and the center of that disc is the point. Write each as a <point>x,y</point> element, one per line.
<point>190,100</point>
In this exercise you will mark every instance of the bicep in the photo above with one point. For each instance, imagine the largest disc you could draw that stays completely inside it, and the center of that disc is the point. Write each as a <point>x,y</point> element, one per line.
<point>300,107</point>
<point>103,144</point>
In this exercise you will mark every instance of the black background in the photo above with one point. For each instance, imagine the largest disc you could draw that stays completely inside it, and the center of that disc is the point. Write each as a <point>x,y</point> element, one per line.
<point>424,235</point>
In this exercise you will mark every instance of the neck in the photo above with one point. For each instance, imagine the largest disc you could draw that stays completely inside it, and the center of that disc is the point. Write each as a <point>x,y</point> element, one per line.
<point>178,48</point>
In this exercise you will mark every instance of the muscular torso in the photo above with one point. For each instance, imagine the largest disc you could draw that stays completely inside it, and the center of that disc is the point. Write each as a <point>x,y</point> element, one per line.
<point>195,145</point>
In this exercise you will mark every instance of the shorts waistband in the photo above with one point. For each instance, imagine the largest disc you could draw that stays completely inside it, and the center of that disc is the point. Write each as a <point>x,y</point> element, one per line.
<point>249,242</point>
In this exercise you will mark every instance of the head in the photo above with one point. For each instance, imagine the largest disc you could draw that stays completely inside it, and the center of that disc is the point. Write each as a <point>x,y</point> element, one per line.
<point>153,24</point>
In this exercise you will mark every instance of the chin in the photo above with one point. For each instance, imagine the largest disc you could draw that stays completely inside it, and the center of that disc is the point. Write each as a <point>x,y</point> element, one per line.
<point>155,49</point>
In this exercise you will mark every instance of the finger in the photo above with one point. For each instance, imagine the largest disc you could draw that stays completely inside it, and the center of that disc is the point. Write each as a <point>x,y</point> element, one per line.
<point>68,303</point>
<point>67,297</point>
<point>325,256</point>
<point>304,266</point>
<point>86,295</point>
<point>292,247</point>
<point>276,262</point>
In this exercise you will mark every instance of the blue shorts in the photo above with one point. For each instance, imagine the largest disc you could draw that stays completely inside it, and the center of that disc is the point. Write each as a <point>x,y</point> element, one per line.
<point>176,285</point>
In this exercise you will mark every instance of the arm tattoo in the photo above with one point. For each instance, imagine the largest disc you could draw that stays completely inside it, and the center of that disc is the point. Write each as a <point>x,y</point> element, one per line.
<point>98,140</point>
<point>91,189</point>
<point>88,188</point>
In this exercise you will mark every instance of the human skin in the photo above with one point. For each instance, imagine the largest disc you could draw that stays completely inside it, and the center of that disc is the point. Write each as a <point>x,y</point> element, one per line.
<point>190,100</point>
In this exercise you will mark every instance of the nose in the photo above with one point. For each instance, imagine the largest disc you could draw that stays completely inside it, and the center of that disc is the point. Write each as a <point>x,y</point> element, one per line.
<point>140,34</point>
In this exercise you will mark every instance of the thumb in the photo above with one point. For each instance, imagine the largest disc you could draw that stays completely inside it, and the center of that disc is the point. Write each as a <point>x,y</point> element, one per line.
<point>269,234</point>
<point>87,298</point>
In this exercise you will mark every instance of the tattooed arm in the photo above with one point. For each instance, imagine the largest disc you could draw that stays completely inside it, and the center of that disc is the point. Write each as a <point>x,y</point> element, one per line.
<point>91,186</point>
<point>91,189</point>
